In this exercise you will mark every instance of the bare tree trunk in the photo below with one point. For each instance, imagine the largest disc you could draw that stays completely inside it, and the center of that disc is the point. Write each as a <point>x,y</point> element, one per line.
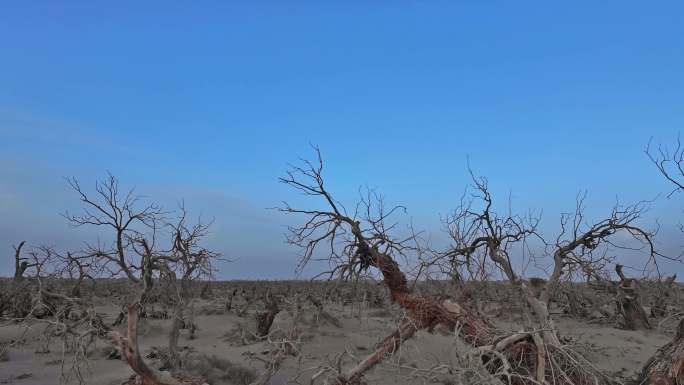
<point>387,347</point>
<point>131,352</point>
<point>548,328</point>
<point>19,265</point>
<point>176,324</point>
<point>536,293</point>
<point>424,313</point>
<point>666,367</point>
<point>146,276</point>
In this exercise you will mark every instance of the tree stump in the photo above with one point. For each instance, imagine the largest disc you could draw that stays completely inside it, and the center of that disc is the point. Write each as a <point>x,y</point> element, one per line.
<point>264,319</point>
<point>629,303</point>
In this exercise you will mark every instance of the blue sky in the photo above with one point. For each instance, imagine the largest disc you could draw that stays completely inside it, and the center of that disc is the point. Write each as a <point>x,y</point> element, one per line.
<point>210,102</point>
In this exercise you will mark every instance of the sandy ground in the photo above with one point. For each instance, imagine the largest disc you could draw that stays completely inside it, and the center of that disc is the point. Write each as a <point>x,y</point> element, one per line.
<point>612,349</point>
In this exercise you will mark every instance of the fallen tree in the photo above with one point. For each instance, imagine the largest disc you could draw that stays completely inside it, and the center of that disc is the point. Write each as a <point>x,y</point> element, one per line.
<point>357,242</point>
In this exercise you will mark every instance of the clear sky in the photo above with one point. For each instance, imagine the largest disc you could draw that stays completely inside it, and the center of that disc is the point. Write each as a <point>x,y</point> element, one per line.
<point>209,102</point>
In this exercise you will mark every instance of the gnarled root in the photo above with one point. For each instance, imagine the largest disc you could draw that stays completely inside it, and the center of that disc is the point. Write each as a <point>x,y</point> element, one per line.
<point>526,358</point>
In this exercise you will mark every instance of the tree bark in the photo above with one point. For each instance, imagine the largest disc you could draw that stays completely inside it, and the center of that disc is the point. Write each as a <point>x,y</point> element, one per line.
<point>174,334</point>
<point>666,367</point>
<point>19,265</point>
<point>130,350</point>
<point>424,313</point>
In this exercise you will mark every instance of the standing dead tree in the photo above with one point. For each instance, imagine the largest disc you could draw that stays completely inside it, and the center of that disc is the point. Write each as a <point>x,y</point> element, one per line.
<point>20,263</point>
<point>77,267</point>
<point>15,298</point>
<point>584,247</point>
<point>135,254</point>
<point>482,235</point>
<point>482,241</point>
<point>191,261</point>
<point>579,246</point>
<point>132,225</point>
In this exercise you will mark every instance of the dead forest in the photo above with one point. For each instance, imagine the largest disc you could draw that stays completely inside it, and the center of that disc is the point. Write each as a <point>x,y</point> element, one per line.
<point>142,306</point>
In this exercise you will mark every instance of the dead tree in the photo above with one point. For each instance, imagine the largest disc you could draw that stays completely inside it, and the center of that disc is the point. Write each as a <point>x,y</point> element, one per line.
<point>16,296</point>
<point>480,237</point>
<point>583,246</point>
<point>133,228</point>
<point>192,262</point>
<point>628,302</point>
<point>356,242</point>
<point>361,240</point>
<point>667,364</point>
<point>670,163</point>
<point>76,267</point>
<point>664,289</point>
<point>579,246</point>
<point>71,320</point>
<point>20,263</point>
<point>480,234</point>
<point>135,253</point>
